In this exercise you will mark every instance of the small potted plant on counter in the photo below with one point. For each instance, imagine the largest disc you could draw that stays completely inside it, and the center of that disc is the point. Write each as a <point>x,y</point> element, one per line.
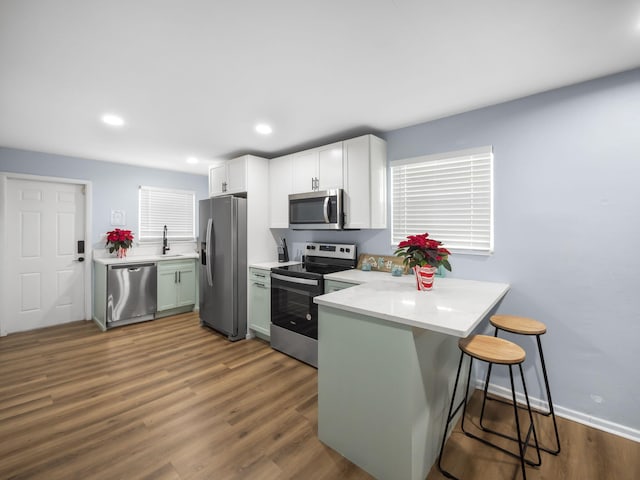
<point>423,255</point>
<point>119,241</point>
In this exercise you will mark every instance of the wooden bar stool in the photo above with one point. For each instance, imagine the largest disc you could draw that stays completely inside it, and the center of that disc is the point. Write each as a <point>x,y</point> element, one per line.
<point>494,351</point>
<point>523,326</point>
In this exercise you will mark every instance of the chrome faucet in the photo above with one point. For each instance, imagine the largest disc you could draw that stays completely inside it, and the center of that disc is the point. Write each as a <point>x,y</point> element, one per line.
<point>165,246</point>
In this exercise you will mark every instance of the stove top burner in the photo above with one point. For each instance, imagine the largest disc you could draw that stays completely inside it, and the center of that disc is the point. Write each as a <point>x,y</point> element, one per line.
<point>320,260</point>
<point>313,269</point>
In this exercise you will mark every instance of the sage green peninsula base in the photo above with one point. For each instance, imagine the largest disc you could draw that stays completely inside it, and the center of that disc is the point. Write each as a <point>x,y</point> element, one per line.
<point>387,360</point>
<point>383,392</point>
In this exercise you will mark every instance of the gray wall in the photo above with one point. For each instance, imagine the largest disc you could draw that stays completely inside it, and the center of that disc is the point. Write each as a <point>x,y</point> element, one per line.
<point>115,185</point>
<point>567,231</point>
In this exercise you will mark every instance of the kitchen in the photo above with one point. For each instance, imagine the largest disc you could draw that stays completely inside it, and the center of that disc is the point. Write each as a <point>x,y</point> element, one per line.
<point>545,226</point>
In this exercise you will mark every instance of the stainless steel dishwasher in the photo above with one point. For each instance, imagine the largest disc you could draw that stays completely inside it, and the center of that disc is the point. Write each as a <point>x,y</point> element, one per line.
<point>131,292</point>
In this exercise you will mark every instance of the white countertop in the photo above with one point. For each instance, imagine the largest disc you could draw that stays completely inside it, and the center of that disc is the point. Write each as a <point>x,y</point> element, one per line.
<point>270,265</point>
<point>144,258</point>
<point>454,306</point>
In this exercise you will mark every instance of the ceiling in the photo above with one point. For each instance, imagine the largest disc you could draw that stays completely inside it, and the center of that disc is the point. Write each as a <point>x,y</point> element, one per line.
<point>194,77</point>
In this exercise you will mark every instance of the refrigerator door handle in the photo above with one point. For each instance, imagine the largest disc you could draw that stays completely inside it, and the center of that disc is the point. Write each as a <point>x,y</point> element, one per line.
<point>209,266</point>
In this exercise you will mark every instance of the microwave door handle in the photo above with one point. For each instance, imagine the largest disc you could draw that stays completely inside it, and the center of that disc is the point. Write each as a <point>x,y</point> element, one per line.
<point>326,209</point>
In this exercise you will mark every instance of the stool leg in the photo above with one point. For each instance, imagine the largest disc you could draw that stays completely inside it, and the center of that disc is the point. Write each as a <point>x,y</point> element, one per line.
<point>466,396</point>
<point>551,412</point>
<point>532,426</point>
<point>484,395</point>
<point>450,415</point>
<point>486,387</point>
<point>515,411</point>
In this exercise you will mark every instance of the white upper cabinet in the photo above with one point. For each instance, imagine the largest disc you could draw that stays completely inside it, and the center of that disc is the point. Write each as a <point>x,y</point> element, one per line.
<point>217,180</point>
<point>330,167</point>
<point>229,178</point>
<point>304,167</point>
<point>280,186</point>
<point>365,182</point>
<point>317,169</point>
<point>358,165</point>
<point>237,172</point>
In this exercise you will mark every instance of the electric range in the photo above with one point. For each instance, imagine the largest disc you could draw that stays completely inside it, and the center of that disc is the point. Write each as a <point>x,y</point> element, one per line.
<point>294,316</point>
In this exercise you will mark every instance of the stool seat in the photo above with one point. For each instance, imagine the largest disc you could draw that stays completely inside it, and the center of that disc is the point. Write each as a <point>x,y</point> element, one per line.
<point>519,325</point>
<point>492,349</point>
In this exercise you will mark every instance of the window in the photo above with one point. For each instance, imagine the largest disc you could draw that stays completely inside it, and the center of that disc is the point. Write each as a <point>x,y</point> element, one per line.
<point>162,206</point>
<point>449,195</point>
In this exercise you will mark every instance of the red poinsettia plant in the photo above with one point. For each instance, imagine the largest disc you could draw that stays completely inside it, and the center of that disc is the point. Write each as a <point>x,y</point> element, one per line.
<point>119,239</point>
<point>420,251</point>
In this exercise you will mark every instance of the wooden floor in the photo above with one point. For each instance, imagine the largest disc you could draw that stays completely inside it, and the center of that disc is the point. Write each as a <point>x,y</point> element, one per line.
<point>586,453</point>
<point>169,399</point>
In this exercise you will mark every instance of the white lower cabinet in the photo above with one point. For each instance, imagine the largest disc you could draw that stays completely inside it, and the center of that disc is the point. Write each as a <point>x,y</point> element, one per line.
<point>260,302</point>
<point>176,284</point>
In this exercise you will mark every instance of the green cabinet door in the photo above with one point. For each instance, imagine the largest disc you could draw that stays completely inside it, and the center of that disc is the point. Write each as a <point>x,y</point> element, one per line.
<point>260,302</point>
<point>186,284</point>
<point>176,284</point>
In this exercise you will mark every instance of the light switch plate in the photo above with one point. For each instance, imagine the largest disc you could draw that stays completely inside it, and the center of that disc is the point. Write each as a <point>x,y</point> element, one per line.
<point>118,218</point>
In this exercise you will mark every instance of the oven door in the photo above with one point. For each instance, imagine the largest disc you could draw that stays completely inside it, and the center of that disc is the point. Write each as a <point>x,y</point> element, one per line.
<point>292,304</point>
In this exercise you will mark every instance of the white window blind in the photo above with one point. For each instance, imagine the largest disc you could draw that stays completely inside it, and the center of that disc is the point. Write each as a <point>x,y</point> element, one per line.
<point>449,195</point>
<point>173,208</point>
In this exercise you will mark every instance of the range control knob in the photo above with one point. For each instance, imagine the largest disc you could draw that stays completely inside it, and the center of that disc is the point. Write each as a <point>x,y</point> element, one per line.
<point>342,249</point>
<point>348,250</point>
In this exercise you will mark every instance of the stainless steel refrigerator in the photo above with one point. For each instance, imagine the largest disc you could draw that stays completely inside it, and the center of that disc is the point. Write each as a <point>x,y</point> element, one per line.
<point>223,265</point>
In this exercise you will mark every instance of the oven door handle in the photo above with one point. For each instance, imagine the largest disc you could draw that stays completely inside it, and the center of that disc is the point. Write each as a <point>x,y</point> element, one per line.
<point>303,281</point>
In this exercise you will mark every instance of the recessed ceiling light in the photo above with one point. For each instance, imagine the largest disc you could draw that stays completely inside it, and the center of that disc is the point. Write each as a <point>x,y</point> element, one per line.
<point>263,129</point>
<point>113,120</point>
<point>192,160</point>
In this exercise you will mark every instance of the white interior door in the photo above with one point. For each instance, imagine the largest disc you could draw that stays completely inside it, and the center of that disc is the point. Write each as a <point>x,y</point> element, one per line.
<point>44,281</point>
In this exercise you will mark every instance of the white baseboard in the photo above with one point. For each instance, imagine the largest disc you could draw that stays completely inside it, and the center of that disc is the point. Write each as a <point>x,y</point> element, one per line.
<point>583,418</point>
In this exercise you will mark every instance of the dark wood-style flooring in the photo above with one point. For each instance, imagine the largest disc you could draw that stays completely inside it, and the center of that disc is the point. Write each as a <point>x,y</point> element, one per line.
<point>169,399</point>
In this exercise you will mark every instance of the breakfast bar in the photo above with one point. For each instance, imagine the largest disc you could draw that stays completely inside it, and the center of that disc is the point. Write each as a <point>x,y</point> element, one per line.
<point>387,357</point>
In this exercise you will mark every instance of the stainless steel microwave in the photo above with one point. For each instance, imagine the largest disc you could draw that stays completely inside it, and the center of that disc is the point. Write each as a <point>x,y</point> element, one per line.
<point>320,210</point>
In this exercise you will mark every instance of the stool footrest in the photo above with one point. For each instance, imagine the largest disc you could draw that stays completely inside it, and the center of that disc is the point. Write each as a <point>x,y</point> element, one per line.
<point>525,444</point>
<point>502,449</point>
<point>514,439</point>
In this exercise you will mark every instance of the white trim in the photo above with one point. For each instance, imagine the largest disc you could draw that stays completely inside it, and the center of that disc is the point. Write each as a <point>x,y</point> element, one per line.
<point>88,249</point>
<point>445,155</point>
<point>3,253</point>
<point>579,417</point>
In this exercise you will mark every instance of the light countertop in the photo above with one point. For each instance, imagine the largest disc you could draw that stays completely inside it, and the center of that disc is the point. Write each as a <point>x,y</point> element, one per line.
<point>454,306</point>
<point>270,265</point>
<point>144,258</point>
